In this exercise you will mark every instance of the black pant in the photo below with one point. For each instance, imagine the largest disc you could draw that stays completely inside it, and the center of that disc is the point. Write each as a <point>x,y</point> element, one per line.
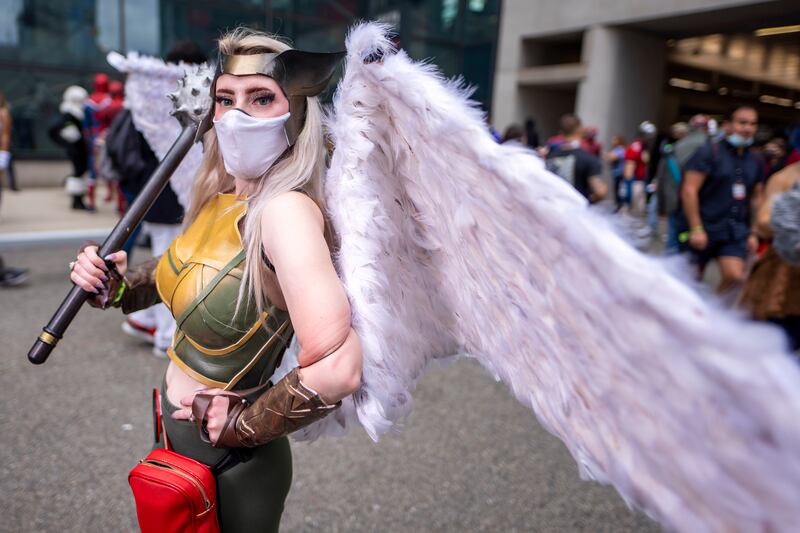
<point>11,177</point>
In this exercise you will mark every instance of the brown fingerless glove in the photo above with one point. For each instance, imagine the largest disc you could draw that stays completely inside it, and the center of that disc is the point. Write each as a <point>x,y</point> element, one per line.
<point>140,287</point>
<point>135,291</point>
<point>282,409</point>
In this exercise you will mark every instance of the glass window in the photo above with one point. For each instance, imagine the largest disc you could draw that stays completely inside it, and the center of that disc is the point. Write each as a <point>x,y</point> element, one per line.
<point>47,45</point>
<point>9,29</point>
<point>107,18</point>
<point>143,26</point>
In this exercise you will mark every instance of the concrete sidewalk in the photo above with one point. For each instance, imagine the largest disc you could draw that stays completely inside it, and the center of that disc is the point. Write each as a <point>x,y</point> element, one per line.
<point>42,216</point>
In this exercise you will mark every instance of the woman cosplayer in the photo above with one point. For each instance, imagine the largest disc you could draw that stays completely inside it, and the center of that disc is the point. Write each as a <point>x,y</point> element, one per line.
<point>252,267</point>
<point>447,243</point>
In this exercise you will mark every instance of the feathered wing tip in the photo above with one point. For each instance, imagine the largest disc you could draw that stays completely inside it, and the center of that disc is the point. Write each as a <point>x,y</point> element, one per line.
<point>117,60</point>
<point>149,65</point>
<point>369,40</point>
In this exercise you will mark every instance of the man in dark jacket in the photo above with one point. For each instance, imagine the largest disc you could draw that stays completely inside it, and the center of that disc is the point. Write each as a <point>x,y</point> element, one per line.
<point>134,162</point>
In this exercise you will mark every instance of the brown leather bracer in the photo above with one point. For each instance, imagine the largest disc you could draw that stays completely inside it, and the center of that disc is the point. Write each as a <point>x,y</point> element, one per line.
<point>282,409</point>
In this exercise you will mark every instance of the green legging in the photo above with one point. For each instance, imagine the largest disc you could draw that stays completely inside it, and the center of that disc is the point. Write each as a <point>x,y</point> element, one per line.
<point>250,495</point>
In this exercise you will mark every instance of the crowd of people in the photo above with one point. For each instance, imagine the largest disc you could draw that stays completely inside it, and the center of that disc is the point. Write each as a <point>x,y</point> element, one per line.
<point>81,130</point>
<point>713,186</point>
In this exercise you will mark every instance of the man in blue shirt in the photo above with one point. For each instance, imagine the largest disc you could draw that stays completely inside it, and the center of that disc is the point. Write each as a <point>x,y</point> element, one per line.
<point>722,186</point>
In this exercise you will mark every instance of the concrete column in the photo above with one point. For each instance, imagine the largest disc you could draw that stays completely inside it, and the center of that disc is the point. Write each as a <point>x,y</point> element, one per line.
<point>546,105</point>
<point>624,80</point>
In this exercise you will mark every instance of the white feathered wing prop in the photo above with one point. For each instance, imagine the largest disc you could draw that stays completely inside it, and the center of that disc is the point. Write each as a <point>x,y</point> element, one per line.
<point>149,80</point>
<point>451,243</point>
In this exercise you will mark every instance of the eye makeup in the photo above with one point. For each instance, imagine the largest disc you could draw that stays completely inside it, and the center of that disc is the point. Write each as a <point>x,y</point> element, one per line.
<point>264,99</point>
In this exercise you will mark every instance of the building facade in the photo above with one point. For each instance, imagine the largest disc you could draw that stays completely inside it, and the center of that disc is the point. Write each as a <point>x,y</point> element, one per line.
<point>617,63</point>
<point>47,45</point>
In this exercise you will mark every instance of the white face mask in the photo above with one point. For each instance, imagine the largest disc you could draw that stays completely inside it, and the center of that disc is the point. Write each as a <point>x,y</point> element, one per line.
<point>250,145</point>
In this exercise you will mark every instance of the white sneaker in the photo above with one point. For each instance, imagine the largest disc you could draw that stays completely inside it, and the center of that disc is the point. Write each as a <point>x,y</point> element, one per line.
<point>139,331</point>
<point>159,353</point>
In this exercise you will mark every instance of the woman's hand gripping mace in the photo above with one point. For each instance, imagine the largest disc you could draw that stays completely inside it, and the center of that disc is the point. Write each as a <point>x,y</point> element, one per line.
<point>192,103</point>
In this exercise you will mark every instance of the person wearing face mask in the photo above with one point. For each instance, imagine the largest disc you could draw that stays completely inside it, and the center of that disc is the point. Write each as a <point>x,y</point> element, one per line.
<point>251,269</point>
<point>721,190</point>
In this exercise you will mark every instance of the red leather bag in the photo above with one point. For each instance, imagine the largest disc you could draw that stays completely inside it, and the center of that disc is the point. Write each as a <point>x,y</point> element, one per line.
<point>173,493</point>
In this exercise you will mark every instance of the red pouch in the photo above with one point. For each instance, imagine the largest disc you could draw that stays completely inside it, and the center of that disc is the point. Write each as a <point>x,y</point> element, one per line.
<point>173,492</point>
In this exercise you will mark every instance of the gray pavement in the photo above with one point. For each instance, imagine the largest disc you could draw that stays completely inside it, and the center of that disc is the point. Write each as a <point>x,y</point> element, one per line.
<point>46,209</point>
<point>469,458</point>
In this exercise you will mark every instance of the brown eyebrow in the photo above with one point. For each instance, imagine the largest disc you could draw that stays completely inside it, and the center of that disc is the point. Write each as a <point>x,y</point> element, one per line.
<point>258,90</point>
<point>248,91</point>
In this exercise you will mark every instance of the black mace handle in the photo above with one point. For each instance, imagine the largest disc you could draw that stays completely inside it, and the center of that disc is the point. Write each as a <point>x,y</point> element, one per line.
<point>54,330</point>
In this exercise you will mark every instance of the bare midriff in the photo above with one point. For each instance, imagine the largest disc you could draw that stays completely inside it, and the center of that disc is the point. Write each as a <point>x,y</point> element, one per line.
<point>180,384</point>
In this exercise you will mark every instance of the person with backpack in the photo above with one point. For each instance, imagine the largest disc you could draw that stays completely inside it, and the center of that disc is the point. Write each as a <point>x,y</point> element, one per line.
<point>670,176</point>
<point>722,187</point>
<point>134,161</point>
<point>575,165</point>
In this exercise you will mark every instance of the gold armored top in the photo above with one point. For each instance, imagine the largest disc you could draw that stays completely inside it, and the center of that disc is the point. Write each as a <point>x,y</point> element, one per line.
<point>198,279</point>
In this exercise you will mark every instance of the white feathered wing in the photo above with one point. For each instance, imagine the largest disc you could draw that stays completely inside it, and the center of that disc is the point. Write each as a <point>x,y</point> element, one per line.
<point>149,80</point>
<point>452,243</point>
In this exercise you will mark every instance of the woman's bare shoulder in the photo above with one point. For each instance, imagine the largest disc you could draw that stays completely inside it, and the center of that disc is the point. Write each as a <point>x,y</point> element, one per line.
<point>292,206</point>
<point>290,221</point>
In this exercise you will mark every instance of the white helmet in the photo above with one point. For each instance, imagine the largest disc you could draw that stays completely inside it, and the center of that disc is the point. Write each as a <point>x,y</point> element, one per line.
<point>73,101</point>
<point>647,129</point>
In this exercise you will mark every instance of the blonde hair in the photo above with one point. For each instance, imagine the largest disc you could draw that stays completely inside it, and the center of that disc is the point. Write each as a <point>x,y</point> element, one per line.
<point>301,168</point>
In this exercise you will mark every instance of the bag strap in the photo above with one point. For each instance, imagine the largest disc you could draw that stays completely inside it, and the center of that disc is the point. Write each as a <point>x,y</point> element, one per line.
<point>231,459</point>
<point>238,455</point>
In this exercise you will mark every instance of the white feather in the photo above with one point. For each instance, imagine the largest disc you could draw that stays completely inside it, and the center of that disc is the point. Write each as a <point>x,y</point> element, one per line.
<point>451,242</point>
<point>149,80</point>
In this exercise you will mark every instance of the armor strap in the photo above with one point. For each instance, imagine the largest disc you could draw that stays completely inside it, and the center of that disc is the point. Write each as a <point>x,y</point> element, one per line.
<point>211,286</point>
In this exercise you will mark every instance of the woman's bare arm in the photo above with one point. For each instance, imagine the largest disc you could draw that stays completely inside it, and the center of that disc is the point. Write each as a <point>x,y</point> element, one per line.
<point>778,183</point>
<point>5,133</point>
<point>330,351</point>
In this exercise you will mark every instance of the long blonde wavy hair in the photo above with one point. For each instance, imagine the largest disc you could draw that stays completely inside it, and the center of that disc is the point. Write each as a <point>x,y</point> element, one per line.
<point>301,168</point>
